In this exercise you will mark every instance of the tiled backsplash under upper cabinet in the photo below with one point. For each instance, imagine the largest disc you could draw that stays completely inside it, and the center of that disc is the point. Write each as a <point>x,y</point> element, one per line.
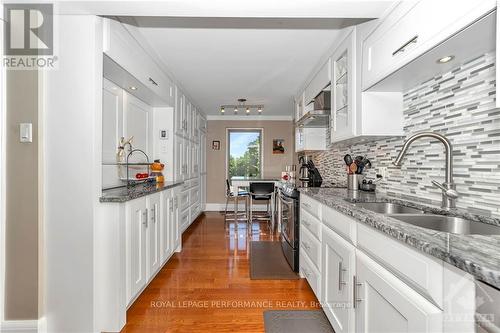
<point>459,104</point>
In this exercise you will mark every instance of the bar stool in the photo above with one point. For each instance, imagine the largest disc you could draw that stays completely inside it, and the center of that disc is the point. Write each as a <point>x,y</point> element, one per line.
<point>260,192</point>
<point>235,195</point>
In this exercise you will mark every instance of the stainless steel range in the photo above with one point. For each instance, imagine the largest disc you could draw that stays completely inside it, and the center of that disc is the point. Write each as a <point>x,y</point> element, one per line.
<point>289,221</point>
<point>288,209</point>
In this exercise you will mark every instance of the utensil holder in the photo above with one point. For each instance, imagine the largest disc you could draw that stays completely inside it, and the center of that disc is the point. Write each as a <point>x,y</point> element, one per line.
<point>353,181</point>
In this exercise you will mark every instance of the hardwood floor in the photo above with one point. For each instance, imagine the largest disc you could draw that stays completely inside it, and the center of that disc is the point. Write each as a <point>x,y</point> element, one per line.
<point>206,287</point>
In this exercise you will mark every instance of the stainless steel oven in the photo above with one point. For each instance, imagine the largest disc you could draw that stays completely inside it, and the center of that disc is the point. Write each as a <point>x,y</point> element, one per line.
<point>289,220</point>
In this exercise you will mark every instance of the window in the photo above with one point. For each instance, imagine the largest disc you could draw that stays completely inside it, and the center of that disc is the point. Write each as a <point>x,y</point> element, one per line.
<point>244,153</point>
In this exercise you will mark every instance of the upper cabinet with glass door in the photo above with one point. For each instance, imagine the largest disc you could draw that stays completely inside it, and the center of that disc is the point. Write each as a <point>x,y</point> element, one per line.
<point>342,120</point>
<point>358,115</point>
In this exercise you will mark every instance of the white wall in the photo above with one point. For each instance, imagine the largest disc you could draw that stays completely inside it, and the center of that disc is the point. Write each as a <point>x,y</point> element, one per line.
<point>72,177</point>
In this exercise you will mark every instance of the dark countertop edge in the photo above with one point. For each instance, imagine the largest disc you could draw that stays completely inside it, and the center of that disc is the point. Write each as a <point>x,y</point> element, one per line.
<point>482,273</point>
<point>125,198</point>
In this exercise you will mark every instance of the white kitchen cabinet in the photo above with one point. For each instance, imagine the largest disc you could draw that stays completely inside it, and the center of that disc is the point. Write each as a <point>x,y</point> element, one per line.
<point>184,219</point>
<point>166,230</point>
<point>124,49</point>
<point>180,112</point>
<point>182,158</point>
<point>136,229</point>
<point>310,139</point>
<point>358,115</point>
<point>299,106</point>
<point>195,124</point>
<point>337,273</point>
<point>195,160</point>
<point>186,171</point>
<point>175,234</point>
<point>401,36</point>
<point>320,80</point>
<point>343,88</point>
<point>311,274</point>
<point>385,304</point>
<point>153,234</point>
<point>202,123</point>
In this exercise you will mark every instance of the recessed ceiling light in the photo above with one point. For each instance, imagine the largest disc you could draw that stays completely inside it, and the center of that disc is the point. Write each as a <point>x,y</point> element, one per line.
<point>222,110</point>
<point>248,110</point>
<point>446,59</point>
<point>260,109</point>
<point>133,88</point>
<point>235,110</point>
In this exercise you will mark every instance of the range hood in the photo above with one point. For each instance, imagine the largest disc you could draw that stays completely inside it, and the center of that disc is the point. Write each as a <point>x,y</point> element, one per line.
<point>319,116</point>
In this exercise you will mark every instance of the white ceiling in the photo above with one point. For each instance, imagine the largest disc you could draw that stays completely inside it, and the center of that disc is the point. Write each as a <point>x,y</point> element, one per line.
<point>218,60</point>
<point>218,66</point>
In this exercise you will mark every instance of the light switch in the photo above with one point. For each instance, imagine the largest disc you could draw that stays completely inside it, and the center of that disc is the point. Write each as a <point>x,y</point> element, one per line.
<point>26,132</point>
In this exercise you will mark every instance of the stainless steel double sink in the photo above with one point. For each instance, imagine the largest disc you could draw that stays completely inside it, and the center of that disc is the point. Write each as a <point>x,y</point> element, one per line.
<point>418,217</point>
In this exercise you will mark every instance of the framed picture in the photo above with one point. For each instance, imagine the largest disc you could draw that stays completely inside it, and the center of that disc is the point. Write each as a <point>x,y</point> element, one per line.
<point>278,146</point>
<point>216,145</point>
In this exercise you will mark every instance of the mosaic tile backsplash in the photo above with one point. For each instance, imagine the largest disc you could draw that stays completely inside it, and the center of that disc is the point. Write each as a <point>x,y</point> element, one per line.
<point>459,104</point>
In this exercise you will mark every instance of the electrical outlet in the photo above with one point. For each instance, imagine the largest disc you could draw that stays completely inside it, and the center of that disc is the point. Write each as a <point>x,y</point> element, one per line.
<point>383,171</point>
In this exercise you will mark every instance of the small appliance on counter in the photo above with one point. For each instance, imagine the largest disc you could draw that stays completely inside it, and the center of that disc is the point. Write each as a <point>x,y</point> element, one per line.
<point>309,175</point>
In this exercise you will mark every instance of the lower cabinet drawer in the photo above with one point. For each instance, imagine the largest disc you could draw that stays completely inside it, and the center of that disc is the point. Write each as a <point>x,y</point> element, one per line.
<point>184,200</point>
<point>195,195</point>
<point>311,205</point>
<point>311,246</point>
<point>195,210</point>
<point>184,220</point>
<point>310,223</point>
<point>311,274</point>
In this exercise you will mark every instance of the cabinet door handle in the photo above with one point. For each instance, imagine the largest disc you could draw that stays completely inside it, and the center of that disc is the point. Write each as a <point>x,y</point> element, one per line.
<point>153,214</point>
<point>171,203</point>
<point>176,203</point>
<point>145,218</point>
<point>153,82</point>
<point>355,285</point>
<point>414,40</point>
<point>341,271</point>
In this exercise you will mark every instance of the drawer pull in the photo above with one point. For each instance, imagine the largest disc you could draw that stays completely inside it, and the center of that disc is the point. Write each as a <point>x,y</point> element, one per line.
<point>145,218</point>
<point>341,271</point>
<point>355,286</point>
<point>153,214</point>
<point>414,40</point>
<point>153,82</point>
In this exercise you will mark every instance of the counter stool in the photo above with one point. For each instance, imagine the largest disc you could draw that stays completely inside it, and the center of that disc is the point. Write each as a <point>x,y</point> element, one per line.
<point>235,195</point>
<point>261,193</point>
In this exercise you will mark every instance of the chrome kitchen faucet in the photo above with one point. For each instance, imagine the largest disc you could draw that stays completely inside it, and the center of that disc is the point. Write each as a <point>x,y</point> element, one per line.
<point>449,194</point>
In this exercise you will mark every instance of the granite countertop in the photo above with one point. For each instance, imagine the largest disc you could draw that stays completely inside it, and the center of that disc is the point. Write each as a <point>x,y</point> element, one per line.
<point>478,255</point>
<point>124,194</point>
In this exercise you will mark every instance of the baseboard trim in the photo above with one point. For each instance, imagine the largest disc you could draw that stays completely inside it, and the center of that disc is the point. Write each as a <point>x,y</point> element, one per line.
<point>218,207</point>
<point>19,326</point>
